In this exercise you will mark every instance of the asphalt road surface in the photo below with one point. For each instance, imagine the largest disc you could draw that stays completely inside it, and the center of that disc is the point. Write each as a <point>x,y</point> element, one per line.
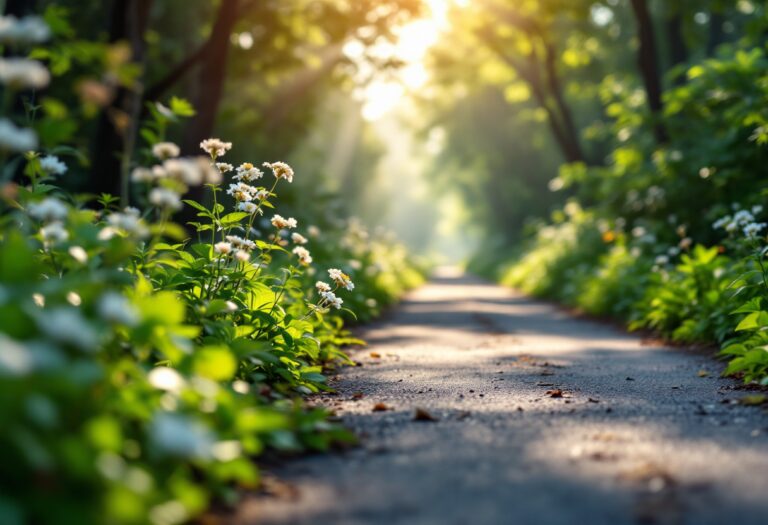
<point>538,418</point>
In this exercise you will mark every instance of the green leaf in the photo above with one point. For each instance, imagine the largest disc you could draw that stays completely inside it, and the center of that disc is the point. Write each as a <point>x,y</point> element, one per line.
<point>182,107</point>
<point>215,362</point>
<point>233,218</point>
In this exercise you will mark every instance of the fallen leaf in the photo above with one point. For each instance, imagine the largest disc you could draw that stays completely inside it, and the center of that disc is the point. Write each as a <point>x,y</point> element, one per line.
<point>703,373</point>
<point>753,400</point>
<point>357,396</point>
<point>375,355</point>
<point>422,414</point>
<point>380,407</point>
<point>555,393</point>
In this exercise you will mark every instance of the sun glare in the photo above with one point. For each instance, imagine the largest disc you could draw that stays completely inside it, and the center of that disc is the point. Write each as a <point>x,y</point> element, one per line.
<point>383,94</point>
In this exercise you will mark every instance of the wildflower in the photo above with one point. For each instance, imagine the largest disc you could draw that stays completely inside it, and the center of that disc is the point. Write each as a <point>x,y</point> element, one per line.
<point>215,147</point>
<point>223,167</point>
<point>242,256</point>
<point>322,286</point>
<point>281,223</point>
<point>222,248</point>
<point>52,165</point>
<point>303,254</point>
<point>341,279</point>
<point>115,308</point>
<point>49,209</point>
<point>13,138</point>
<point>261,195</point>
<point>28,30</point>
<point>247,172</point>
<point>662,259</point>
<point>355,264</point>
<point>54,232</point>
<point>757,210</point>
<point>79,254</point>
<point>280,170</point>
<point>165,378</point>
<point>127,221</point>
<point>22,73</point>
<point>331,300</point>
<point>208,173</point>
<point>165,150</point>
<point>240,243</point>
<point>298,238</point>
<point>752,229</point>
<point>184,170</point>
<point>313,231</point>
<point>140,175</point>
<point>685,243</point>
<point>242,192</point>
<point>165,198</point>
<point>74,299</point>
<point>247,207</point>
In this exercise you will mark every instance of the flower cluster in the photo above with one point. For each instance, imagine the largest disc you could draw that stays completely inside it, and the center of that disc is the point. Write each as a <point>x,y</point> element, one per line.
<point>20,74</point>
<point>744,221</point>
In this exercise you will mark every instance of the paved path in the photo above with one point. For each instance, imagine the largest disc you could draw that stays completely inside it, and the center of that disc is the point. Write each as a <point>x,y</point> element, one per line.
<point>641,434</point>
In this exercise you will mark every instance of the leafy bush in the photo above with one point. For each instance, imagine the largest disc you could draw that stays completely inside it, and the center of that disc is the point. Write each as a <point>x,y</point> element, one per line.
<point>142,369</point>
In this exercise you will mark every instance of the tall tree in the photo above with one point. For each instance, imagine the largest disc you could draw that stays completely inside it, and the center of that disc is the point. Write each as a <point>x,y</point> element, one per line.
<point>648,64</point>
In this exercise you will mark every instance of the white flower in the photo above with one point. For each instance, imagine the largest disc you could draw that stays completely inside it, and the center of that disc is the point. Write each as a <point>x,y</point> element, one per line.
<point>165,150</point>
<point>215,147</point>
<point>341,279</point>
<point>242,256</point>
<point>184,170</point>
<point>355,264</point>
<point>231,306</point>
<point>49,209</point>
<point>242,192</point>
<point>240,243</point>
<point>261,195</point>
<point>223,167</point>
<point>142,175</point>
<point>322,286</point>
<point>115,308</point>
<point>22,73</point>
<point>165,198</point>
<point>298,238</point>
<point>662,259</point>
<point>280,170</point>
<point>281,223</point>
<point>331,299</point>
<point>168,379</point>
<point>303,254</point>
<point>28,30</point>
<point>313,231</point>
<point>757,209</point>
<point>752,230</point>
<point>54,232</point>
<point>247,172</point>
<point>52,165</point>
<point>13,138</point>
<point>223,248</point>
<point>127,221</point>
<point>247,207</point>
<point>79,254</point>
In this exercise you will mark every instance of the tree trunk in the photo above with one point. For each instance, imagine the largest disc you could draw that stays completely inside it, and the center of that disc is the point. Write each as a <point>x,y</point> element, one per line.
<point>128,22</point>
<point>716,33</point>
<point>678,51</point>
<point>649,68</point>
<point>210,79</point>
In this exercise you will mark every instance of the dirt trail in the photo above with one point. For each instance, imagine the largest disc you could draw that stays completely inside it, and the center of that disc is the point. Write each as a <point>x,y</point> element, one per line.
<point>541,419</point>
